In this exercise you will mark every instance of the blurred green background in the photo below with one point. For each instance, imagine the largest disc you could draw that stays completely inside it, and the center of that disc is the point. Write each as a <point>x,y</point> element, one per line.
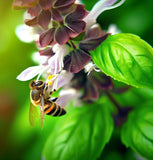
<point>17,139</point>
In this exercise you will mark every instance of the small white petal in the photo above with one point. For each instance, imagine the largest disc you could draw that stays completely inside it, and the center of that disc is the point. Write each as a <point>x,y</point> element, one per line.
<point>56,61</point>
<point>30,73</point>
<point>78,2</point>
<point>113,29</point>
<point>98,8</point>
<point>23,33</point>
<point>39,59</point>
<point>89,67</point>
<point>26,33</point>
<point>64,78</point>
<point>61,49</point>
<point>60,80</point>
<point>67,95</point>
<point>27,15</point>
<point>70,91</point>
<point>54,64</point>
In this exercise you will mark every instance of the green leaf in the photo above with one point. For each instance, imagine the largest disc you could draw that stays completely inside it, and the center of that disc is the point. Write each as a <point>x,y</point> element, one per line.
<point>137,132</point>
<point>126,58</point>
<point>82,134</point>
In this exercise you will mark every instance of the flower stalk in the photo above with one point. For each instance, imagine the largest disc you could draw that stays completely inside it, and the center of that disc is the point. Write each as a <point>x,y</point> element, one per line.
<point>113,100</point>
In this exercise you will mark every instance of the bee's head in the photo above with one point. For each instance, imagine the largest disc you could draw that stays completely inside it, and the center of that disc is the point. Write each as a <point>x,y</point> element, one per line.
<point>36,84</point>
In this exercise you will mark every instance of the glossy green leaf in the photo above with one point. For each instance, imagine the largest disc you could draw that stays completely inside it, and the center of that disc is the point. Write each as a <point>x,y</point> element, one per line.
<point>82,134</point>
<point>137,132</point>
<point>126,58</point>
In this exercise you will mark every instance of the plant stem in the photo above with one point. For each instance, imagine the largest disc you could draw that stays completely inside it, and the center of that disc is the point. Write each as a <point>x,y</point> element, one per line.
<point>113,100</point>
<point>72,44</point>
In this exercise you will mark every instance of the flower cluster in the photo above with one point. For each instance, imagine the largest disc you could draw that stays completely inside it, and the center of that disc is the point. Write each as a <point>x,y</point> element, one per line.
<point>67,33</point>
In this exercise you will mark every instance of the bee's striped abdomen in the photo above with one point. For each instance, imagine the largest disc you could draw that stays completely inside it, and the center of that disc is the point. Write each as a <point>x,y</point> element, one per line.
<point>53,109</point>
<point>62,112</point>
<point>49,108</point>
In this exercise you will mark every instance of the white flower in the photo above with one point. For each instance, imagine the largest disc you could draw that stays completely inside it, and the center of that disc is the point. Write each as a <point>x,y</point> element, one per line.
<point>31,72</point>
<point>100,7</point>
<point>39,59</point>
<point>50,66</point>
<point>78,2</point>
<point>56,61</point>
<point>67,95</point>
<point>112,28</point>
<point>26,34</point>
<point>90,67</point>
<point>59,80</point>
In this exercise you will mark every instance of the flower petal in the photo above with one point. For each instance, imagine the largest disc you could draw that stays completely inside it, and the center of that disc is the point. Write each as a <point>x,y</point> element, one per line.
<point>66,9</point>
<point>46,4</point>
<point>30,73</point>
<point>93,32</point>
<point>63,3</point>
<point>78,14</point>
<point>77,26</point>
<point>61,35</point>
<point>98,8</point>
<point>46,37</point>
<point>56,15</point>
<point>64,78</point>
<point>112,28</point>
<point>25,33</point>
<point>54,64</point>
<point>101,80</point>
<point>31,22</point>
<point>39,59</point>
<point>71,33</point>
<point>90,92</point>
<point>56,61</point>
<point>46,52</point>
<point>79,79</point>
<point>44,18</point>
<point>21,4</point>
<point>78,59</point>
<point>91,44</point>
<point>34,11</point>
<point>67,95</point>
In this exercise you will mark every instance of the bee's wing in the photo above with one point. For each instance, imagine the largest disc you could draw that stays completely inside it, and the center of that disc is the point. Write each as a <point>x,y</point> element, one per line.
<point>62,101</point>
<point>42,113</point>
<point>33,114</point>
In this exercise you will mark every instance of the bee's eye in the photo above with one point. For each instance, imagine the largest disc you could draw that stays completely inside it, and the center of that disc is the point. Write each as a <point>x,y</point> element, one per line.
<point>38,83</point>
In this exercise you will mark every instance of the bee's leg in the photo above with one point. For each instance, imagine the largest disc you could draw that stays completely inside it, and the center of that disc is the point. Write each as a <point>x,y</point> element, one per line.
<point>46,87</point>
<point>42,112</point>
<point>51,92</point>
<point>55,85</point>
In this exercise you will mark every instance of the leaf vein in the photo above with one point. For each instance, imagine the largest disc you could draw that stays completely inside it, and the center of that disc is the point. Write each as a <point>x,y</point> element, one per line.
<point>143,133</point>
<point>112,60</point>
<point>133,59</point>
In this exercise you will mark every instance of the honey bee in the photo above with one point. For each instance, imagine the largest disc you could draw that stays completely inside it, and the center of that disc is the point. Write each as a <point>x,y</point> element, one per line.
<point>40,95</point>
